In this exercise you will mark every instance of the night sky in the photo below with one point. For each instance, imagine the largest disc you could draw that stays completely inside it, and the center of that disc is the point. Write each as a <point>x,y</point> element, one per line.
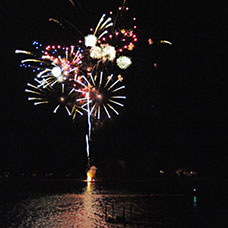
<point>175,114</point>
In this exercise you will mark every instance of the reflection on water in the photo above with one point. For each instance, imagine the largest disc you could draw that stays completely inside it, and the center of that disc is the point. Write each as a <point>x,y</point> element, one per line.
<point>90,213</point>
<point>62,211</point>
<point>76,204</point>
<point>91,209</point>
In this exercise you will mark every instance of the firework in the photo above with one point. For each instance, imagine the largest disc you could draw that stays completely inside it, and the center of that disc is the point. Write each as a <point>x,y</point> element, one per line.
<point>78,77</point>
<point>56,69</point>
<point>101,94</point>
<point>54,64</point>
<point>56,95</point>
<point>123,62</point>
<point>109,42</point>
<point>90,41</point>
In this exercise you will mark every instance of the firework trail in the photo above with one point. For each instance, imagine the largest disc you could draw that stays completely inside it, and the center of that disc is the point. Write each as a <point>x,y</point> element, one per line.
<point>87,150</point>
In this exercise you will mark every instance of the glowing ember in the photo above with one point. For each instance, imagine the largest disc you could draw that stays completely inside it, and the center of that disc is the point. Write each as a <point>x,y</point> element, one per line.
<point>150,41</point>
<point>91,174</point>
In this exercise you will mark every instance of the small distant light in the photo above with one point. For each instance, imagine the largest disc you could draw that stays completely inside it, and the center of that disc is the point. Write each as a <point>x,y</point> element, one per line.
<point>194,189</point>
<point>155,65</point>
<point>194,201</point>
<point>150,41</point>
<point>62,99</point>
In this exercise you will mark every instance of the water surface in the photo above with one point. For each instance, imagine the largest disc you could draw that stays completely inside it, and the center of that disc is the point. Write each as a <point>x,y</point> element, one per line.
<point>86,205</point>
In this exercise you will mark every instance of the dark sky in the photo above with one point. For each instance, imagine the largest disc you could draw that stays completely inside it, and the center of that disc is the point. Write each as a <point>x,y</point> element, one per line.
<point>175,114</point>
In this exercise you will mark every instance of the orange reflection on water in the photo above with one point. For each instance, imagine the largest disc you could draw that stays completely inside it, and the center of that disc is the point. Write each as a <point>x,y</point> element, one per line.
<point>85,210</point>
<point>89,187</point>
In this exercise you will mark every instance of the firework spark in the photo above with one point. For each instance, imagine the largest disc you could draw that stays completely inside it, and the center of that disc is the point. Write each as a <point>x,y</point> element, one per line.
<point>165,42</point>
